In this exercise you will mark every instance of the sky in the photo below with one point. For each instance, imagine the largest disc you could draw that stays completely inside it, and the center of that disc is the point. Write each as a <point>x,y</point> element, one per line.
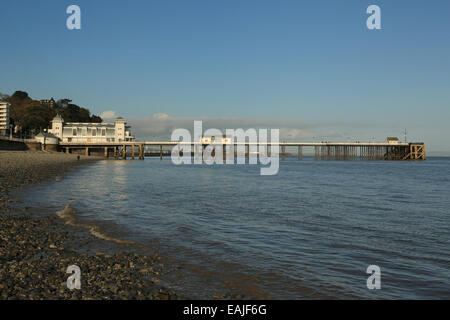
<point>311,68</point>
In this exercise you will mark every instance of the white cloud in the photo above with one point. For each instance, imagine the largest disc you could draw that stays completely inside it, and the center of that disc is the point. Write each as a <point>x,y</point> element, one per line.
<point>108,115</point>
<point>161,116</point>
<point>160,126</point>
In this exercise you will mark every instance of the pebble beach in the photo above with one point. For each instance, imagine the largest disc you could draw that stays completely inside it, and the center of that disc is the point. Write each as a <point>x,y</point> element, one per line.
<point>36,250</point>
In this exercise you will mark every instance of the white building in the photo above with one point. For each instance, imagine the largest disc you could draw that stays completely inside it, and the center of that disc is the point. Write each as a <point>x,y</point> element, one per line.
<point>4,117</point>
<point>48,141</point>
<point>90,132</point>
<point>392,140</point>
<point>46,138</point>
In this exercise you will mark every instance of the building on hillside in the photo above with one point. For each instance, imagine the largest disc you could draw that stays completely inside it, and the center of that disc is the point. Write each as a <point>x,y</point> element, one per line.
<point>4,117</point>
<point>51,103</point>
<point>77,132</point>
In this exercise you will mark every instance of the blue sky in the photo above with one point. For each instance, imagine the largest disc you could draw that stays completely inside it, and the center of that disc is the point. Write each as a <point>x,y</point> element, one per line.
<point>311,64</point>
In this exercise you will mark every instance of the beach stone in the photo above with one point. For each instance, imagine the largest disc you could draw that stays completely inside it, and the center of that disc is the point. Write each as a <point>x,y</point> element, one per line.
<point>31,268</point>
<point>219,296</point>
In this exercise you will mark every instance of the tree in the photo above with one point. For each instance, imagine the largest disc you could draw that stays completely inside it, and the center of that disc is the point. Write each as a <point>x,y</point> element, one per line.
<point>31,115</point>
<point>62,103</point>
<point>96,119</point>
<point>3,97</point>
<point>36,117</point>
<point>20,96</point>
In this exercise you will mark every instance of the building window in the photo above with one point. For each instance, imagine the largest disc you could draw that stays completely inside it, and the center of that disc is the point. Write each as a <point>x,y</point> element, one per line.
<point>74,132</point>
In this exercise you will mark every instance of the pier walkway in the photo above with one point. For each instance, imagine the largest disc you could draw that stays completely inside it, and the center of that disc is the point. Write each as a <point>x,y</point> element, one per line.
<point>401,151</point>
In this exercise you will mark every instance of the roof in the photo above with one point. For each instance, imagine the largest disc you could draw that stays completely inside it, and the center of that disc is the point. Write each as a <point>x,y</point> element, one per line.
<point>89,124</point>
<point>58,117</point>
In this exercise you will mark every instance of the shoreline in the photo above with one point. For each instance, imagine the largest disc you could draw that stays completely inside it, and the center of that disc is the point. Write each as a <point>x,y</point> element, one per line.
<point>35,251</point>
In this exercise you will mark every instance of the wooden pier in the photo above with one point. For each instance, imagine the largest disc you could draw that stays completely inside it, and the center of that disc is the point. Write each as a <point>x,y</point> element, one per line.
<point>325,151</point>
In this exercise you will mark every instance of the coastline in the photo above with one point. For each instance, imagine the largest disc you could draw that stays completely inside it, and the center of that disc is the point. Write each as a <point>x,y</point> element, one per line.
<point>35,251</point>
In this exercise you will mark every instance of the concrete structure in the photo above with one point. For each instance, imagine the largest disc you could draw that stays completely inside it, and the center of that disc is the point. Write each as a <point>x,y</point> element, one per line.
<point>4,118</point>
<point>322,150</point>
<point>48,141</point>
<point>8,143</point>
<point>85,133</point>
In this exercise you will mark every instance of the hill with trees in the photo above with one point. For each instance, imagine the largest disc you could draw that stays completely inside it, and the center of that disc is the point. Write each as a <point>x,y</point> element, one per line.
<point>32,116</point>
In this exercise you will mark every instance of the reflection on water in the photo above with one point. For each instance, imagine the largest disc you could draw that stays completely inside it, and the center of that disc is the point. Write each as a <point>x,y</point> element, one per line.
<point>308,232</point>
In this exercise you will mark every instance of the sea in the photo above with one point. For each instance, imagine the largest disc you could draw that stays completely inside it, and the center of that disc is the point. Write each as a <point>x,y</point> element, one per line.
<point>310,232</point>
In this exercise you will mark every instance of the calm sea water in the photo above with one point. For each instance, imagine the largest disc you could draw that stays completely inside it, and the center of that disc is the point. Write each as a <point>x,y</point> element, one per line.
<point>309,232</point>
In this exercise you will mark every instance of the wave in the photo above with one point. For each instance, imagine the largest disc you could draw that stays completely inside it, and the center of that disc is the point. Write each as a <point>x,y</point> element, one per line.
<point>68,215</point>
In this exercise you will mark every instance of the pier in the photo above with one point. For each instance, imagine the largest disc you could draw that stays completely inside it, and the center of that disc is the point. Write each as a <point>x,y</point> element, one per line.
<point>324,151</point>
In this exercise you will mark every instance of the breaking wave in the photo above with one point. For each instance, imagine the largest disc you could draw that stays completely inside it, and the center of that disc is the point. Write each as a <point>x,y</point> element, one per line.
<point>68,215</point>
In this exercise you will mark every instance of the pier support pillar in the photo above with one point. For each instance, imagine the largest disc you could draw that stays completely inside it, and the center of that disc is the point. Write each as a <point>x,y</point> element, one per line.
<point>141,152</point>
<point>283,152</point>
<point>160,152</point>
<point>196,152</point>
<point>415,152</point>
<point>87,151</point>
<point>106,152</point>
<point>300,153</point>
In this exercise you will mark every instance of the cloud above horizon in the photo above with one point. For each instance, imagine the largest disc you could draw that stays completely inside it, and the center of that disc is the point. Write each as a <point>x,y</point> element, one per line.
<point>161,125</point>
<point>108,115</point>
